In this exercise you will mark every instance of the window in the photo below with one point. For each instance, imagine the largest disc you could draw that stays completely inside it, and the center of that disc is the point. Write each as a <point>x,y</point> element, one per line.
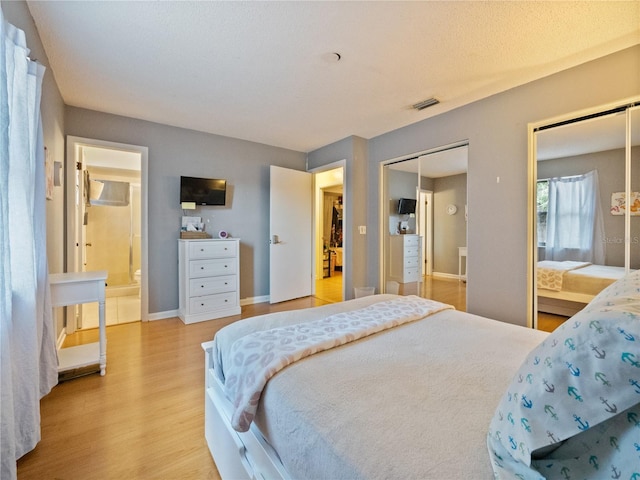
<point>542,197</point>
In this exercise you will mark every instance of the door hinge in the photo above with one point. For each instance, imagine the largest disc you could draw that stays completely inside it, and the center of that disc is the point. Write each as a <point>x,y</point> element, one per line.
<point>78,165</point>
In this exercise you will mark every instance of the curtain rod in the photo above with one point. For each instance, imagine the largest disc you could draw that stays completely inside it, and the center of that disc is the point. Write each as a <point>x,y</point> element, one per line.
<point>619,109</point>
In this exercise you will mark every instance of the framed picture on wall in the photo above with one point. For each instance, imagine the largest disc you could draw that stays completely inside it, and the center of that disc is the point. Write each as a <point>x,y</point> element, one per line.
<point>619,204</point>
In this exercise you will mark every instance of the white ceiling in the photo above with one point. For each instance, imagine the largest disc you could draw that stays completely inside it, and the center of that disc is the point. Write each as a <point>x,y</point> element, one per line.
<point>597,134</point>
<point>265,71</point>
<point>439,164</point>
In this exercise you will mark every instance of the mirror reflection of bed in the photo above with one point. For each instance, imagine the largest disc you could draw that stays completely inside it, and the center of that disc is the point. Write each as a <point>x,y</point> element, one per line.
<point>581,226</point>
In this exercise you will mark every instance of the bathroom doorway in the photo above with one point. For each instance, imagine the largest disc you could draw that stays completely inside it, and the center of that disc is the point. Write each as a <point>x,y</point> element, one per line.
<point>109,213</point>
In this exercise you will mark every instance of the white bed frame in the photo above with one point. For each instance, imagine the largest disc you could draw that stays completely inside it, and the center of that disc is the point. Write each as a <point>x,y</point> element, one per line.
<point>562,303</point>
<point>237,455</point>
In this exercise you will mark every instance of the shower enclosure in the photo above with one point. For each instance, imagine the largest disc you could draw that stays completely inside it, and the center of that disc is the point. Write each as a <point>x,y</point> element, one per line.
<point>112,231</point>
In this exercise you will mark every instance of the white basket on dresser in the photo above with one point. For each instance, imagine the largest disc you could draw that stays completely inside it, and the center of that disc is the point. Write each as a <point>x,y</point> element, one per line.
<point>209,279</point>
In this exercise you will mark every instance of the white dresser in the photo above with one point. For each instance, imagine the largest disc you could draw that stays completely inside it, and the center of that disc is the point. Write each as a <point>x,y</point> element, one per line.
<point>405,259</point>
<point>209,272</point>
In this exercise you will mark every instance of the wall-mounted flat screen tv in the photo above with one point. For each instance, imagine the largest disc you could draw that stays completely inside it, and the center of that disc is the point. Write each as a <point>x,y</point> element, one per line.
<point>406,206</point>
<point>203,191</point>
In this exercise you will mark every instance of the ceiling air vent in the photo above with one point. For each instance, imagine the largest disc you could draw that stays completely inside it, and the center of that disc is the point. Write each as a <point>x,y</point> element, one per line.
<point>426,103</point>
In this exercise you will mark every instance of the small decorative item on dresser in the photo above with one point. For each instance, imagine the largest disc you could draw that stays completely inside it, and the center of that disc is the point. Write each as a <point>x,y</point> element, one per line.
<point>223,234</point>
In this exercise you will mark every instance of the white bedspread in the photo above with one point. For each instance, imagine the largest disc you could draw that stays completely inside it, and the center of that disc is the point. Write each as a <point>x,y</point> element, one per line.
<point>412,402</point>
<point>550,273</point>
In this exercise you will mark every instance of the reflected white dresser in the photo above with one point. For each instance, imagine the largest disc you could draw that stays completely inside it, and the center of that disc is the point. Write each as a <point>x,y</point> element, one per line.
<point>405,259</point>
<point>209,279</point>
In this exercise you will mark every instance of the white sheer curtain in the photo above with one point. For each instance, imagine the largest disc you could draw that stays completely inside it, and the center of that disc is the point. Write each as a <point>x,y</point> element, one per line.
<point>28,363</point>
<point>574,220</point>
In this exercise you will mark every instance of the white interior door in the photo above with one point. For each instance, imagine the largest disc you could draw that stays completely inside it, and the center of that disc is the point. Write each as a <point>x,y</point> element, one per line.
<point>291,241</point>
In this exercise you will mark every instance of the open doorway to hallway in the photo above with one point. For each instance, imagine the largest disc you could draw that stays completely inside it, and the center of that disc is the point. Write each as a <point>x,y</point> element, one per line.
<point>329,234</point>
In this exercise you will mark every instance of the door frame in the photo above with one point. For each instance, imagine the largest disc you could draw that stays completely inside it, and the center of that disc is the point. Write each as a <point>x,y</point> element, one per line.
<point>317,248</point>
<point>73,154</point>
<point>425,228</point>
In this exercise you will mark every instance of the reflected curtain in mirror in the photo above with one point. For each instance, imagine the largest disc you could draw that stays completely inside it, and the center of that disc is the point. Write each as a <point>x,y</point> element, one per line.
<point>574,223</point>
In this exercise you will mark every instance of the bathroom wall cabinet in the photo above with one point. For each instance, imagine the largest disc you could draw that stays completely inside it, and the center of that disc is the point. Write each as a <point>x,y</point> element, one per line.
<point>209,282</point>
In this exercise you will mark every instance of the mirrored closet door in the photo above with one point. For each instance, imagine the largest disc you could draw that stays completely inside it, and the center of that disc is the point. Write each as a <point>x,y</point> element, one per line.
<point>587,234</point>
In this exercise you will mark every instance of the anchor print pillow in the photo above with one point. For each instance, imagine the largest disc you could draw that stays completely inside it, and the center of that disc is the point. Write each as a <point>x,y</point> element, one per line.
<point>573,408</point>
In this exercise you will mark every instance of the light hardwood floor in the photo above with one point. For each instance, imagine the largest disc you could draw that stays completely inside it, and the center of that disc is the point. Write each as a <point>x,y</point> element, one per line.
<point>145,418</point>
<point>548,322</point>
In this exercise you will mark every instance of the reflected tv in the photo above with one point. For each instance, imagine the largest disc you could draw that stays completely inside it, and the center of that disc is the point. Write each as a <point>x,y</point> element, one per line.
<point>406,206</point>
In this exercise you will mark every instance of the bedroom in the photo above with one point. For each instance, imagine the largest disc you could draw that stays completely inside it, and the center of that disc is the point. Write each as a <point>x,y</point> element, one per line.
<point>496,128</point>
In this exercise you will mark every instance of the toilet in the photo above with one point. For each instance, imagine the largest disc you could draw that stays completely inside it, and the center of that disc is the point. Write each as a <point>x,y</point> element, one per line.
<point>136,278</point>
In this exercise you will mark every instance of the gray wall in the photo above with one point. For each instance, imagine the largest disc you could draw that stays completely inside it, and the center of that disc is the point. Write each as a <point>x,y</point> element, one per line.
<point>611,173</point>
<point>400,185</point>
<point>174,152</point>
<point>449,231</point>
<point>357,208</point>
<point>496,130</point>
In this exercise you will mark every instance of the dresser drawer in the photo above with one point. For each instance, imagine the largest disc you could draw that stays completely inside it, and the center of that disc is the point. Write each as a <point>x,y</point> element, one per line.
<point>411,262</point>
<point>211,285</point>
<point>212,302</point>
<point>212,267</point>
<point>212,249</point>
<point>411,275</point>
<point>411,251</point>
<point>411,241</point>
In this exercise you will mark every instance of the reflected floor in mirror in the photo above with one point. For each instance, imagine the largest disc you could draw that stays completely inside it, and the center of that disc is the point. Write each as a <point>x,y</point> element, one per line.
<point>548,322</point>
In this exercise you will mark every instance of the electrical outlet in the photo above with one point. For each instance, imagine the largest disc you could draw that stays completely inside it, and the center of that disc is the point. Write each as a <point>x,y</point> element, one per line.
<point>363,229</point>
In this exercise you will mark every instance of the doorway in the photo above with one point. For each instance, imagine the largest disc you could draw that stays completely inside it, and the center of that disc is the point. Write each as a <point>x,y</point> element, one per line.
<point>329,238</point>
<point>106,213</point>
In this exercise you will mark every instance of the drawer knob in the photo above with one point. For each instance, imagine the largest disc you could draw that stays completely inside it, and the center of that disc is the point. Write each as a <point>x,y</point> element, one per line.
<point>202,304</point>
<point>225,300</point>
<point>201,268</point>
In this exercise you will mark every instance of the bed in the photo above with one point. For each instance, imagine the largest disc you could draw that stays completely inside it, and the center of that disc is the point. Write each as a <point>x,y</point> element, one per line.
<point>418,399</point>
<point>565,287</point>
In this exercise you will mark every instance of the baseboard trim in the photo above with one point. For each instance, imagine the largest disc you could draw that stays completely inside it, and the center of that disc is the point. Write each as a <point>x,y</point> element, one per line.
<point>174,313</point>
<point>252,300</point>
<point>445,275</point>
<point>162,315</point>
